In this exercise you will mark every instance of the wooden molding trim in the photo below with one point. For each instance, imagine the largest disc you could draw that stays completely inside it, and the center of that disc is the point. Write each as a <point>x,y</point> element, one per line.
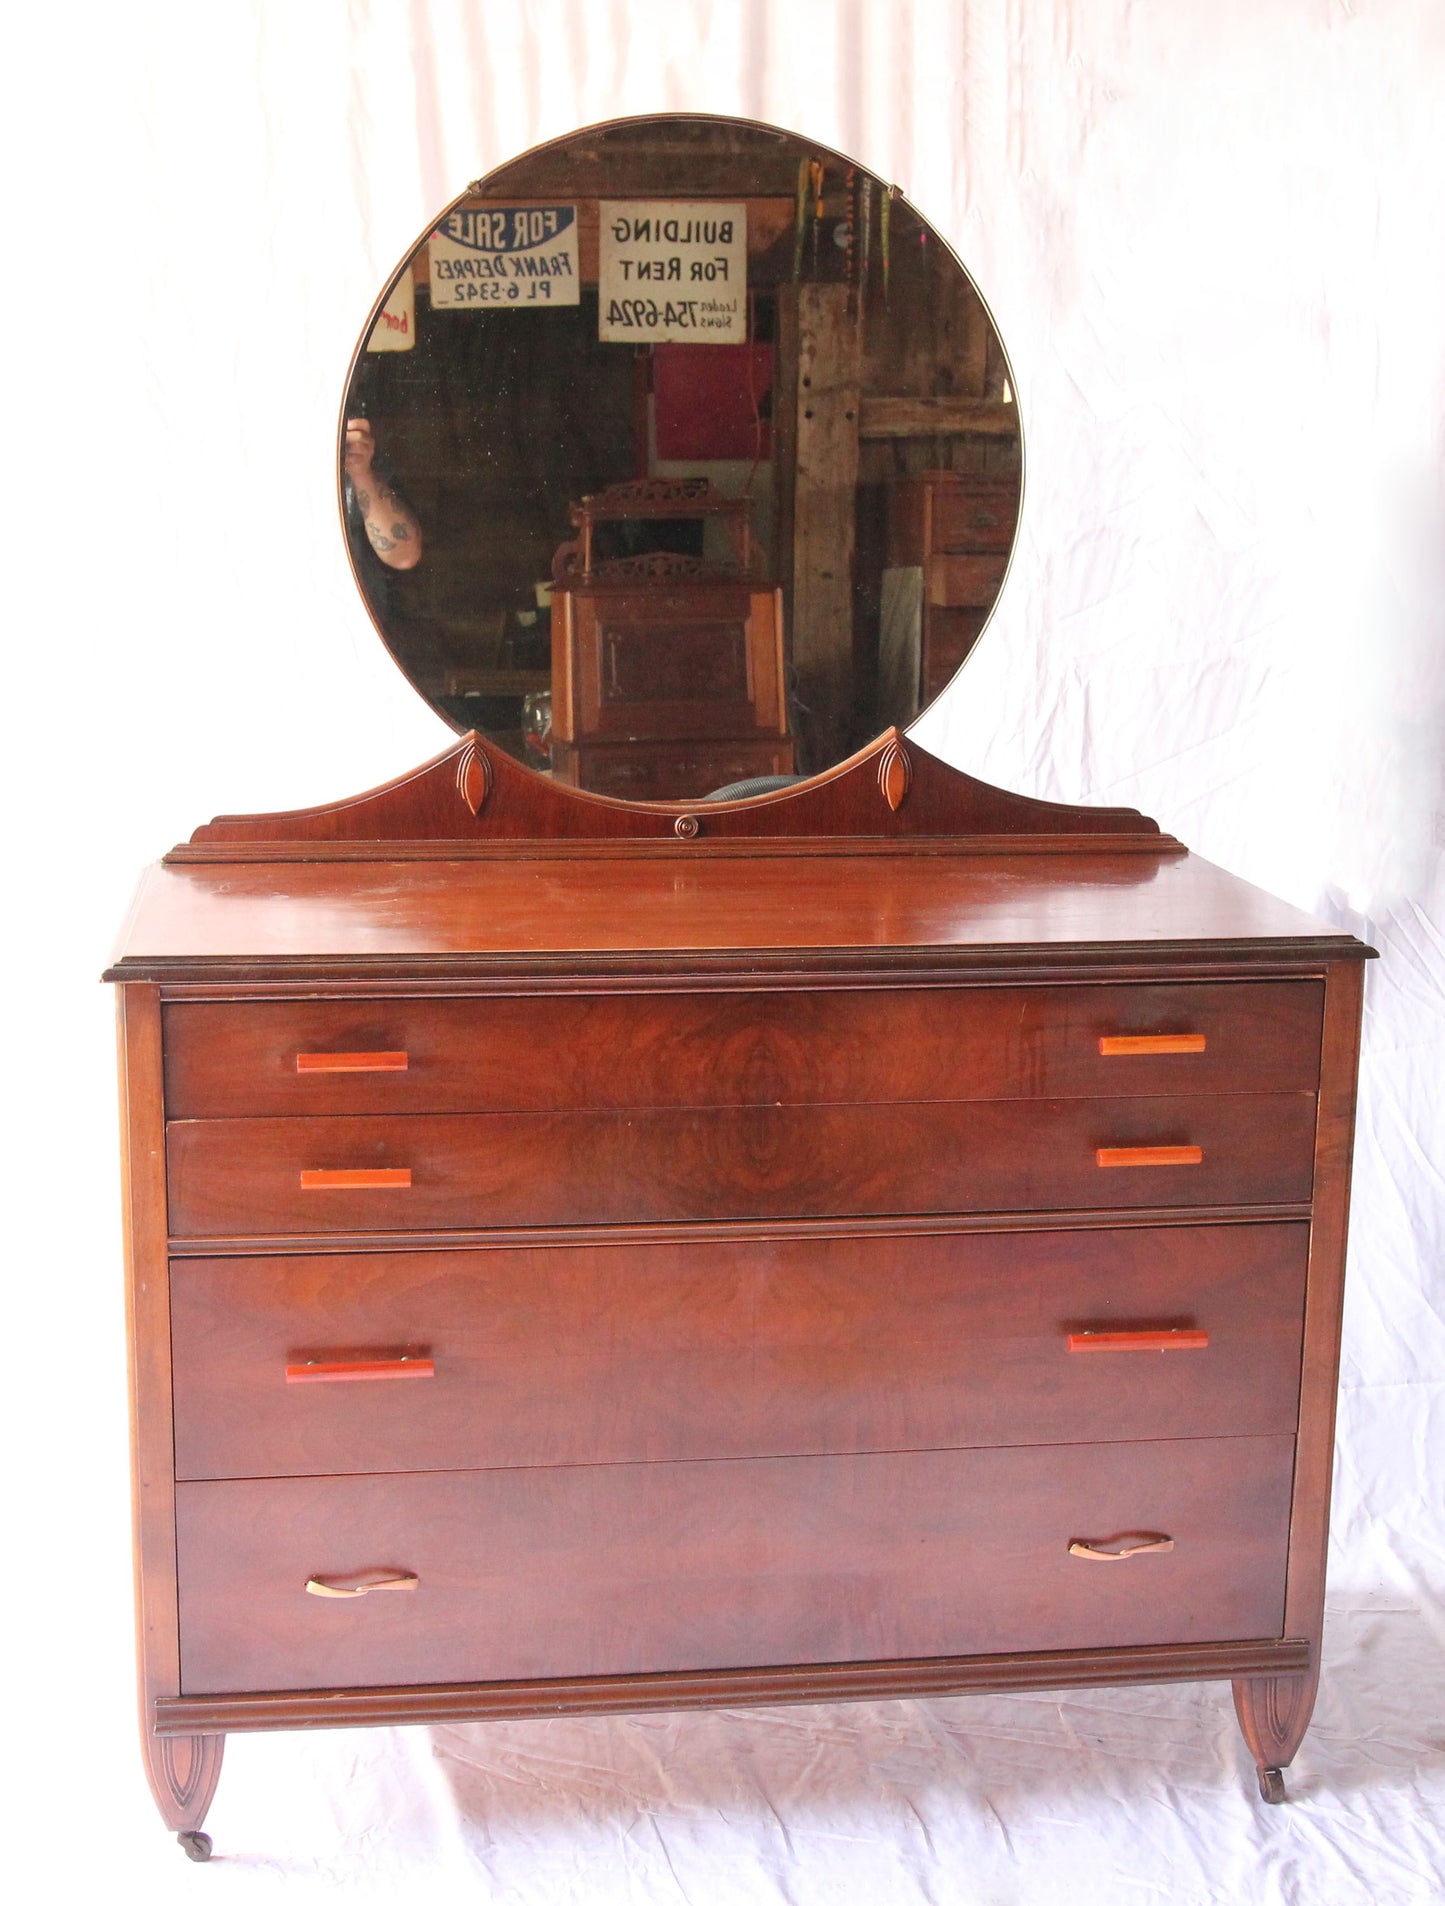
<point>526,986</point>
<point>1324,1300</point>
<point>313,1243</point>
<point>729,1687</point>
<point>749,971</point>
<point>665,847</point>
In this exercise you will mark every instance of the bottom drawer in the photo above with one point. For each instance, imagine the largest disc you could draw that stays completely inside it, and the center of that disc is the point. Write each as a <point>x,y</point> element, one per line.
<point>652,1567</point>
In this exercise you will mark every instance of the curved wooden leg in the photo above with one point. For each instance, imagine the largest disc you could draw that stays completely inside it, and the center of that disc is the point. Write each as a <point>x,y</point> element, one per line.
<point>183,1770</point>
<point>1274,1711</point>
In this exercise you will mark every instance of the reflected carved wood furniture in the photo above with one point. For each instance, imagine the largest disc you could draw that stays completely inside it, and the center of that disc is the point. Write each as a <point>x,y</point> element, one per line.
<point>882,1239</point>
<point>667,668</point>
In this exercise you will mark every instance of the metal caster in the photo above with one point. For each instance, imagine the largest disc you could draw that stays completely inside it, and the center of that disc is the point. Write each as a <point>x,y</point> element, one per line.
<point>1271,1786</point>
<point>197,1845</point>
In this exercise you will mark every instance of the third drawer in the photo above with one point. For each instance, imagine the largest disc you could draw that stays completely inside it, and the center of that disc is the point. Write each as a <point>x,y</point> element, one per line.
<point>605,1354</point>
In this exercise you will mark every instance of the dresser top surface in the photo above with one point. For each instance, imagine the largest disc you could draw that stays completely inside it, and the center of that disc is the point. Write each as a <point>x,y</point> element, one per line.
<point>195,920</point>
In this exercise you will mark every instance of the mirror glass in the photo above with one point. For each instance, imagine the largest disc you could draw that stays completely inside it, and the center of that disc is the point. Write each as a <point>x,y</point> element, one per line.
<point>680,454</point>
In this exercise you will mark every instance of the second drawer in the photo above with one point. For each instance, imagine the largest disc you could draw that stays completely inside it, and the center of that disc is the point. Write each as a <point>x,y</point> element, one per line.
<point>606,1354</point>
<point>246,1177</point>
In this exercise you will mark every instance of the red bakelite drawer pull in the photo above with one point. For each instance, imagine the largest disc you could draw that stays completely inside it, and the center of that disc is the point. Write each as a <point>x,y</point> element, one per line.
<point>1126,1045</point>
<point>1139,1340</point>
<point>1146,1545</point>
<point>366,1582</point>
<point>1149,1155</point>
<point>358,1369</point>
<point>351,1062</point>
<point>384,1180</point>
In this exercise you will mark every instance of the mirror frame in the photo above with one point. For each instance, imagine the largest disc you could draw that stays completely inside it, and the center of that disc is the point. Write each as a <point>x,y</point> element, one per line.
<point>642,120</point>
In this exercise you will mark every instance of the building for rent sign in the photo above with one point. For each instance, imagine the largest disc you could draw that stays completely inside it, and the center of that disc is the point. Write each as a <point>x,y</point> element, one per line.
<point>672,273</point>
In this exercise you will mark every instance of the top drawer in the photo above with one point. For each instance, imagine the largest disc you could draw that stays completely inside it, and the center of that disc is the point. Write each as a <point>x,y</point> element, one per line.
<point>544,1053</point>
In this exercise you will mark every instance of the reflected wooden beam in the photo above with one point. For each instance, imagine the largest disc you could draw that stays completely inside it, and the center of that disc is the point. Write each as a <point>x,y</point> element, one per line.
<point>824,517</point>
<point>881,417</point>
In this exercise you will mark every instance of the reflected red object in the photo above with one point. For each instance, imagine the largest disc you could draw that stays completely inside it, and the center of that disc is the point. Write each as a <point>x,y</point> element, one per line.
<point>712,401</point>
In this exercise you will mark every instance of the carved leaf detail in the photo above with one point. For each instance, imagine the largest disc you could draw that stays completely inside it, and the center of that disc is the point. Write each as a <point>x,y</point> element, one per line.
<point>895,773</point>
<point>644,490</point>
<point>474,777</point>
<point>657,564</point>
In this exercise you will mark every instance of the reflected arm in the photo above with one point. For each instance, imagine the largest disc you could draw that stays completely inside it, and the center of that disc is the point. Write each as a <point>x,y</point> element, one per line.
<point>391,529</point>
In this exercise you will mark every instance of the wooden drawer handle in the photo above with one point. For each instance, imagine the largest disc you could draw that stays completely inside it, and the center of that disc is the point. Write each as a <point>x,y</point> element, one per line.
<point>1126,1045</point>
<point>363,1584</point>
<point>1139,1340</point>
<point>358,1369</point>
<point>351,1062</point>
<point>1151,1545</point>
<point>357,1180</point>
<point>1149,1155</point>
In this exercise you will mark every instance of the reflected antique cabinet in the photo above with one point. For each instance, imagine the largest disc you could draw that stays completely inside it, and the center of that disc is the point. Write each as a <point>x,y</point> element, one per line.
<point>880,1239</point>
<point>667,668</point>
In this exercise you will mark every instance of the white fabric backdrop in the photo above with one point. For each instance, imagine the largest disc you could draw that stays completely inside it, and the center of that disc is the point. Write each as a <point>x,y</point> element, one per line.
<point>1211,234</point>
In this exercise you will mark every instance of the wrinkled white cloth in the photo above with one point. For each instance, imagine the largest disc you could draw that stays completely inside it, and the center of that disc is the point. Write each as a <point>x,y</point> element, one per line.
<point>1210,234</point>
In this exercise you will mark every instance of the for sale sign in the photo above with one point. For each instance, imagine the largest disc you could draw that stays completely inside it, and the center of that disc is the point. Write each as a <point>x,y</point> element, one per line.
<point>505,257</point>
<point>672,273</point>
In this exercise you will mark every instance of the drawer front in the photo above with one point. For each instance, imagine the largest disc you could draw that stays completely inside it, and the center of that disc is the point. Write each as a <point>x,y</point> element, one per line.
<point>668,771</point>
<point>612,1354</point>
<point>562,1053</point>
<point>671,1566</point>
<point>964,582</point>
<point>248,1177</point>
<point>948,639</point>
<point>972,517</point>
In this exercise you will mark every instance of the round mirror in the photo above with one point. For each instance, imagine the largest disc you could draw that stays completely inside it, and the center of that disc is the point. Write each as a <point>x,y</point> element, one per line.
<point>681,455</point>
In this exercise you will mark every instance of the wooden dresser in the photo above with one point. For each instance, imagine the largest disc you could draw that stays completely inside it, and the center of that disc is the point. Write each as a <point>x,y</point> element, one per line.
<point>882,1239</point>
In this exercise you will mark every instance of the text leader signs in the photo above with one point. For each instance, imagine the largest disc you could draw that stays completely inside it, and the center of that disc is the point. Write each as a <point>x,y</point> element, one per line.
<point>505,257</point>
<point>670,273</point>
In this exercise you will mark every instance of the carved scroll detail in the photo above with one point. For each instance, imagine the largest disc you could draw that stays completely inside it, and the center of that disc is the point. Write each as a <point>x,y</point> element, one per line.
<point>657,565</point>
<point>184,1769</point>
<point>1274,1711</point>
<point>635,496</point>
<point>895,774</point>
<point>474,777</point>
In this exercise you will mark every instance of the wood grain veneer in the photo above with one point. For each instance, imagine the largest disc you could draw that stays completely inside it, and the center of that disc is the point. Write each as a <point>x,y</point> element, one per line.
<point>358,919</point>
<point>459,1055</point>
<point>769,1348</point>
<point>503,1168</point>
<point>656,1567</point>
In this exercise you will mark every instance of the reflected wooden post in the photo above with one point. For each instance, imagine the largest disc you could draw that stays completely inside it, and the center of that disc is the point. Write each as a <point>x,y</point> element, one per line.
<point>824,505</point>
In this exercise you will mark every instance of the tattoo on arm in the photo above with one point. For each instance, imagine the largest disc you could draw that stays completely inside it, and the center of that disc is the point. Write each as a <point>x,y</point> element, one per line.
<point>363,502</point>
<point>400,533</point>
<point>378,538</point>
